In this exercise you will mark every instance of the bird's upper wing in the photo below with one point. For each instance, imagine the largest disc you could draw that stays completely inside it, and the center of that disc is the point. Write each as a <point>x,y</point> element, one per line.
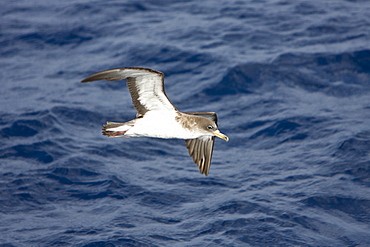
<point>201,150</point>
<point>146,87</point>
<point>210,115</point>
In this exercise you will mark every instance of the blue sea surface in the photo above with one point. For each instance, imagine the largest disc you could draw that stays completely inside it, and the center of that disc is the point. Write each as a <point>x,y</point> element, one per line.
<point>289,80</point>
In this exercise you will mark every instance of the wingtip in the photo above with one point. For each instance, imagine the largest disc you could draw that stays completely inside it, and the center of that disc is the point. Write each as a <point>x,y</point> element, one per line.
<point>90,78</point>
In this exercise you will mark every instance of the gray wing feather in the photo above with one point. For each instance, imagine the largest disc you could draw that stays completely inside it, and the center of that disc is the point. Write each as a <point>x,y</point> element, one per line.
<point>201,150</point>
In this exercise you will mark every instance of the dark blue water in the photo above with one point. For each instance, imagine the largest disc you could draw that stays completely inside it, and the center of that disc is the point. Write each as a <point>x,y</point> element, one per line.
<point>290,81</point>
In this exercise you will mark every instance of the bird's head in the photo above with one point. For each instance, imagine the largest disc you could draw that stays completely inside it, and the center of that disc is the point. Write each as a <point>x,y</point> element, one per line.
<point>211,128</point>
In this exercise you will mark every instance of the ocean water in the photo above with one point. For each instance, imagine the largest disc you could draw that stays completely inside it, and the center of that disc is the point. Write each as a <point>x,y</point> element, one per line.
<point>290,81</point>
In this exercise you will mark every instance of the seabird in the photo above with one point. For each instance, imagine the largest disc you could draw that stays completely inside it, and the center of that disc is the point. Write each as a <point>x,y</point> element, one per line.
<point>157,117</point>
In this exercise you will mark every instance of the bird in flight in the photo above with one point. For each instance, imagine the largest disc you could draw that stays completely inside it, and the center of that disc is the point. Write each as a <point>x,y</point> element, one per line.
<point>157,117</point>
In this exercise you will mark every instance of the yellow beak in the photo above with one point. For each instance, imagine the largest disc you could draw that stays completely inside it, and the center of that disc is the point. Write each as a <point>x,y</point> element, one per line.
<point>220,135</point>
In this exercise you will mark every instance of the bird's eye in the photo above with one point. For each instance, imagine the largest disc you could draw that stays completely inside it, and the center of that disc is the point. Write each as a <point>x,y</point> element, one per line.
<point>210,127</point>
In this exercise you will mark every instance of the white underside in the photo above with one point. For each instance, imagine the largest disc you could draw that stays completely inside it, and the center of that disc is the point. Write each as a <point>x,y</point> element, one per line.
<point>160,124</point>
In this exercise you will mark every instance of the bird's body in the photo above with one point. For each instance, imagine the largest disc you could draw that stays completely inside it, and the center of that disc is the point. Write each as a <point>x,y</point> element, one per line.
<point>157,117</point>
<point>159,124</point>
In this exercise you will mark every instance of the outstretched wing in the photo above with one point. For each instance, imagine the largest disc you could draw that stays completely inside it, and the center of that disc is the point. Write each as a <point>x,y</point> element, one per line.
<point>146,87</point>
<point>201,150</point>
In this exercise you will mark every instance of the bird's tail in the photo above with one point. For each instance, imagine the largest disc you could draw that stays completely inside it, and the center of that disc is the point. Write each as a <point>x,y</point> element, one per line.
<point>113,129</point>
